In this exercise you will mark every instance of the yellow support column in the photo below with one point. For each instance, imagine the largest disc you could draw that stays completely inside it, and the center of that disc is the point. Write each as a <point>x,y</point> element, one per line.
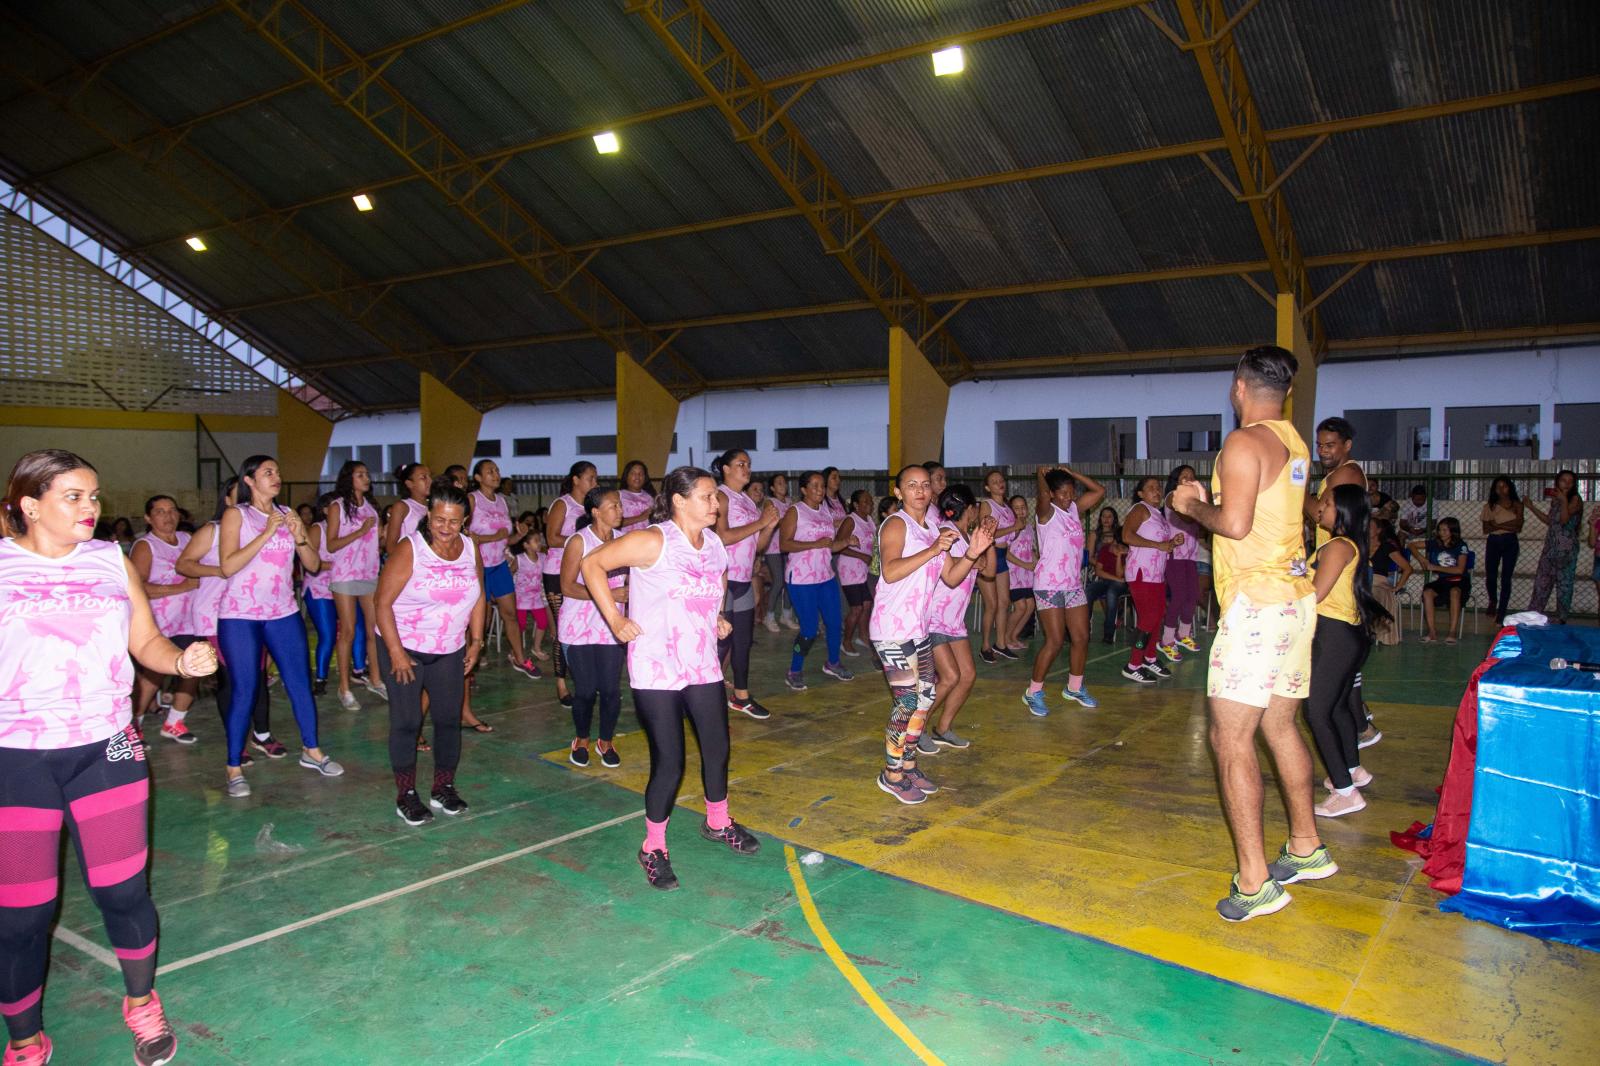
<point>646,416</point>
<point>918,398</point>
<point>1302,406</point>
<point>302,440</point>
<point>449,426</point>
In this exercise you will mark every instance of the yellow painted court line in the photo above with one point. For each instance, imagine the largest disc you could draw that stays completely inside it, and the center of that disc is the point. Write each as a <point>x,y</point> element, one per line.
<point>848,968</point>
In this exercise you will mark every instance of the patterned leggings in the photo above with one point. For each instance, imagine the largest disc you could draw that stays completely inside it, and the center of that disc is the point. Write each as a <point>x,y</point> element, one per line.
<point>552,602</point>
<point>908,667</point>
<point>1558,565</point>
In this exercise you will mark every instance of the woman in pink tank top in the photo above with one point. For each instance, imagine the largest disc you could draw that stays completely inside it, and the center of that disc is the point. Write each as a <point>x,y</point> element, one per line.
<point>772,559</point>
<point>1022,556</point>
<point>1151,540</point>
<point>1183,573</point>
<point>351,539</point>
<point>947,615</point>
<point>740,524</point>
<point>854,559</point>
<point>810,534</point>
<point>415,479</point>
<point>430,613</point>
<point>1058,593</point>
<point>73,622</point>
<point>489,524</point>
<point>560,522</point>
<point>914,554</point>
<point>155,560</point>
<point>678,570</point>
<point>995,590</point>
<point>637,493</point>
<point>593,656</point>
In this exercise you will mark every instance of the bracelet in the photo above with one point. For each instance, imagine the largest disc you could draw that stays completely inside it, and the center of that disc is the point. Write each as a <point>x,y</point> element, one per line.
<point>177,666</point>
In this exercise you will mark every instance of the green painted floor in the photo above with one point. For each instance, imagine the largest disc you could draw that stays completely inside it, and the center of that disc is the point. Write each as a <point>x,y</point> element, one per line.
<point>551,949</point>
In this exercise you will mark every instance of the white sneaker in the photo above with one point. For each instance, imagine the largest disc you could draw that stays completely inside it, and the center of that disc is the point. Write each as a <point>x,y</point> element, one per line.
<point>238,787</point>
<point>348,701</point>
<point>375,686</point>
<point>1336,806</point>
<point>771,622</point>
<point>791,622</point>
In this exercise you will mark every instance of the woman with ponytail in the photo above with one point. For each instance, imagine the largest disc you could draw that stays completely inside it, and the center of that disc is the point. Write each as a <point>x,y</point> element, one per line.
<point>592,654</point>
<point>351,540</point>
<point>561,522</point>
<point>740,524</point>
<point>947,618</point>
<point>810,535</point>
<point>1346,614</point>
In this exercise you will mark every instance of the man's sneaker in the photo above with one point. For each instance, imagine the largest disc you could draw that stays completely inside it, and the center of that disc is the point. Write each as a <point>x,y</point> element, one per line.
<point>1360,777</point>
<point>1157,671</point>
<point>269,747</point>
<point>179,732</point>
<point>771,623</point>
<point>1006,652</point>
<point>750,707</point>
<point>1171,652</point>
<point>32,1055</point>
<point>949,739</point>
<point>610,759</point>
<point>903,790</point>
<point>926,745</point>
<point>526,668</point>
<point>154,1042</point>
<point>445,798</point>
<point>987,655</point>
<point>920,779</point>
<point>1369,736</point>
<point>658,870</point>
<point>1081,695</point>
<point>578,754</point>
<point>1336,806</point>
<point>1189,643</point>
<point>324,766</point>
<point>348,701</point>
<point>1036,704</point>
<point>737,837</point>
<point>1238,907</point>
<point>1288,867</point>
<point>237,787</point>
<point>375,686</point>
<point>1137,675</point>
<point>410,808</point>
<point>838,672</point>
<point>793,681</point>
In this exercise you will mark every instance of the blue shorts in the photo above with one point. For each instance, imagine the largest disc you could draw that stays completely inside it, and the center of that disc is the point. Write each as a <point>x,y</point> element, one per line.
<point>497,581</point>
<point>1000,566</point>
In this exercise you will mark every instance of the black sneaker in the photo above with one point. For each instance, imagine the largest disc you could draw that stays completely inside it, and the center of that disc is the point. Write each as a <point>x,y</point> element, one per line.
<point>658,870</point>
<point>750,707</point>
<point>448,800</point>
<point>565,701</point>
<point>736,836</point>
<point>319,687</point>
<point>1157,671</point>
<point>1137,675</point>
<point>410,809</point>
<point>610,759</point>
<point>987,655</point>
<point>1007,652</point>
<point>578,755</point>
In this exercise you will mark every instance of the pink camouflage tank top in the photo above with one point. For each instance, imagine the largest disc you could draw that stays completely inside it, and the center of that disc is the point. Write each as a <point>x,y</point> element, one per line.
<point>433,608</point>
<point>947,607</point>
<point>1189,550</point>
<point>581,621</point>
<point>1149,564</point>
<point>65,673</point>
<point>490,516</point>
<point>900,608</point>
<point>635,507</point>
<point>783,509</point>
<point>171,612</point>
<point>1003,516</point>
<point>527,582</point>
<point>206,601</point>
<point>814,565</point>
<point>853,571</point>
<point>1060,551</point>
<point>415,515</point>
<point>675,601</point>
<point>264,588</point>
<point>571,510</point>
<point>741,512</point>
<point>319,586</point>
<point>1026,548</point>
<point>358,560</point>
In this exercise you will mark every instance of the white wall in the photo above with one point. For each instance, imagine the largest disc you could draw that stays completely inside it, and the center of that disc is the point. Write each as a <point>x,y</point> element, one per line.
<point>857,415</point>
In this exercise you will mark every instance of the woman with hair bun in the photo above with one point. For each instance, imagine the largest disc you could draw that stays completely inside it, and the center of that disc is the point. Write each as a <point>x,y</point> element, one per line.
<point>351,540</point>
<point>408,515</point>
<point>593,656</point>
<point>810,535</point>
<point>155,559</point>
<point>947,619</point>
<point>561,522</point>
<point>740,524</point>
<point>1058,593</point>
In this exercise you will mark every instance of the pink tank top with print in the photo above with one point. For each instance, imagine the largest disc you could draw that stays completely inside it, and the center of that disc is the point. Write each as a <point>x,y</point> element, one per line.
<point>836,509</point>
<point>264,588</point>
<point>528,581</point>
<point>635,507</point>
<point>571,509</point>
<point>1149,564</point>
<point>358,560</point>
<point>435,605</point>
<point>1003,516</point>
<point>65,673</point>
<point>853,571</point>
<point>814,565</point>
<point>900,608</point>
<point>741,512</point>
<point>319,586</point>
<point>675,602</point>
<point>947,608</point>
<point>412,520</point>
<point>171,612</point>
<point>490,516</point>
<point>1024,547</point>
<point>580,621</point>
<point>1189,550</point>
<point>205,601</point>
<point>1060,551</point>
<point>783,509</point>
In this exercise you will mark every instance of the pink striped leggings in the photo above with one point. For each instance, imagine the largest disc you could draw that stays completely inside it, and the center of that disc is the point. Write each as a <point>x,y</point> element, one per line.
<point>101,792</point>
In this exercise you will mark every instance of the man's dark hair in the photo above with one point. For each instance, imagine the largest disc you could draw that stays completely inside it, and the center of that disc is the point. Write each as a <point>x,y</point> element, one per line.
<point>1267,368</point>
<point>1337,425</point>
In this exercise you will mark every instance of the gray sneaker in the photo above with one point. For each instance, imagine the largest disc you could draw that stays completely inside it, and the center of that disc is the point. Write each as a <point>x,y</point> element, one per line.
<point>926,745</point>
<point>238,787</point>
<point>327,767</point>
<point>920,779</point>
<point>903,790</point>
<point>949,739</point>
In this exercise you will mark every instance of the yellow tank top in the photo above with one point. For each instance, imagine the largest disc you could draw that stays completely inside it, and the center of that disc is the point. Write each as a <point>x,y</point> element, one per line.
<point>1269,564</point>
<point>1340,602</point>
<point>1322,534</point>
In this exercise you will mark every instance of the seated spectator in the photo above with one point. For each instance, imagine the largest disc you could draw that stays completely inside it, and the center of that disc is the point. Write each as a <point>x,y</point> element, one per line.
<point>1390,573</point>
<point>1109,557</point>
<point>1444,556</point>
<point>1414,515</point>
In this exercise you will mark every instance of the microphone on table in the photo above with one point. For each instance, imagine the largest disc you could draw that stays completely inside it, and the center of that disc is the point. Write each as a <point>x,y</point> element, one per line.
<point>1574,664</point>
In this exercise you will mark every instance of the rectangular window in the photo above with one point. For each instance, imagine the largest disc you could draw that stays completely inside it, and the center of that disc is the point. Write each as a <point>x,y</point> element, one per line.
<point>370,455</point>
<point>721,440</point>
<point>486,449</point>
<point>522,446</point>
<point>401,454</point>
<point>598,444</point>
<point>802,438</point>
<point>1026,442</point>
<point>337,457</point>
<point>1102,440</point>
<point>1182,436</point>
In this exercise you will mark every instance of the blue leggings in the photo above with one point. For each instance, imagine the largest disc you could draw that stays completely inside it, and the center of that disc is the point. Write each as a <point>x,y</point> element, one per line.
<point>325,616</point>
<point>813,602</point>
<point>241,640</point>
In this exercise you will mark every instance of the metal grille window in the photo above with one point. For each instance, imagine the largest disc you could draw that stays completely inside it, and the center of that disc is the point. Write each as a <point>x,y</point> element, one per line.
<point>599,444</point>
<point>801,438</point>
<point>487,449</point>
<point>721,440</point>
<point>524,446</point>
<point>401,454</point>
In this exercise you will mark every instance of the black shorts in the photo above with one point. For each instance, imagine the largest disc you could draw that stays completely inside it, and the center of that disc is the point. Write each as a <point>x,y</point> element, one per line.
<point>856,595</point>
<point>1018,595</point>
<point>552,584</point>
<point>1441,587</point>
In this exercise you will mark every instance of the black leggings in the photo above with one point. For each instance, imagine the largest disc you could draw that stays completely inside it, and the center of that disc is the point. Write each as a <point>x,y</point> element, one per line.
<point>552,602</point>
<point>661,713</point>
<point>259,709</point>
<point>1503,549</point>
<point>735,647</point>
<point>100,793</point>
<point>1336,655</point>
<point>442,677</point>
<point>596,675</point>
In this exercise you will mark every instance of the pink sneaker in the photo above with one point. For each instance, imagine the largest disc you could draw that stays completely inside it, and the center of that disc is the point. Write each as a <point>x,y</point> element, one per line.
<point>179,732</point>
<point>154,1042</point>
<point>1336,806</point>
<point>32,1055</point>
<point>1359,777</point>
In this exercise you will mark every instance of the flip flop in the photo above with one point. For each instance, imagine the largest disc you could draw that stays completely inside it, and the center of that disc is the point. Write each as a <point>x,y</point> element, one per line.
<point>423,745</point>
<point>481,727</point>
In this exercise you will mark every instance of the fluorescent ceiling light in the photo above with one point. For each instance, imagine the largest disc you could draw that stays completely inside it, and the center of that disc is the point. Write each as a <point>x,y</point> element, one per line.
<point>948,61</point>
<point>196,243</point>
<point>606,143</point>
<point>363,201</point>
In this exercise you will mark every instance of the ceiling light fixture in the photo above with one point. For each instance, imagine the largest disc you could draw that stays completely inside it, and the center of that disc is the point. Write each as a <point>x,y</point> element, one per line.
<point>606,143</point>
<point>196,243</point>
<point>948,61</point>
<point>363,201</point>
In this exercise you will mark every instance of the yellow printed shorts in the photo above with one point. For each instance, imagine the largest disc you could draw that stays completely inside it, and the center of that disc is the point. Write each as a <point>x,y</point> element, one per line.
<point>1263,650</point>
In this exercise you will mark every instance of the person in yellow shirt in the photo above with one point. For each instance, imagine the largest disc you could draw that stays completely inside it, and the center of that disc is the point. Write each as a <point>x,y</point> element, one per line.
<point>1261,658</point>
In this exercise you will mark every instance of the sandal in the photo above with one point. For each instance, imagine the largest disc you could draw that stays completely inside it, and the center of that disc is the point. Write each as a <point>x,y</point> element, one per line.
<point>481,727</point>
<point>423,745</point>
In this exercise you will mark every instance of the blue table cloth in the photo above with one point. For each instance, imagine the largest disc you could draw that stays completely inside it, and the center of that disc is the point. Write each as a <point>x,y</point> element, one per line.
<point>1533,847</point>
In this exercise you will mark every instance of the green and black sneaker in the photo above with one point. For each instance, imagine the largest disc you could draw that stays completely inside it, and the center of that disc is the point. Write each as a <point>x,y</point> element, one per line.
<point>1238,907</point>
<point>1288,867</point>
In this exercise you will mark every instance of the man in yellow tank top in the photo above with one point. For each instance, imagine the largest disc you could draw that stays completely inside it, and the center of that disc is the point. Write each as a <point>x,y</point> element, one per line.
<point>1261,658</point>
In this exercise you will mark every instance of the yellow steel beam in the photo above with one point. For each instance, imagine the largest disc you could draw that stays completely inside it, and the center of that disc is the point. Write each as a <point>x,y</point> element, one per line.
<point>1313,130</point>
<point>358,86</point>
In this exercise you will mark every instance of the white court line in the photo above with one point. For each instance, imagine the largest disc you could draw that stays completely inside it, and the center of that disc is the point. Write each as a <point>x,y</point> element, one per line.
<point>395,893</point>
<point>88,947</point>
